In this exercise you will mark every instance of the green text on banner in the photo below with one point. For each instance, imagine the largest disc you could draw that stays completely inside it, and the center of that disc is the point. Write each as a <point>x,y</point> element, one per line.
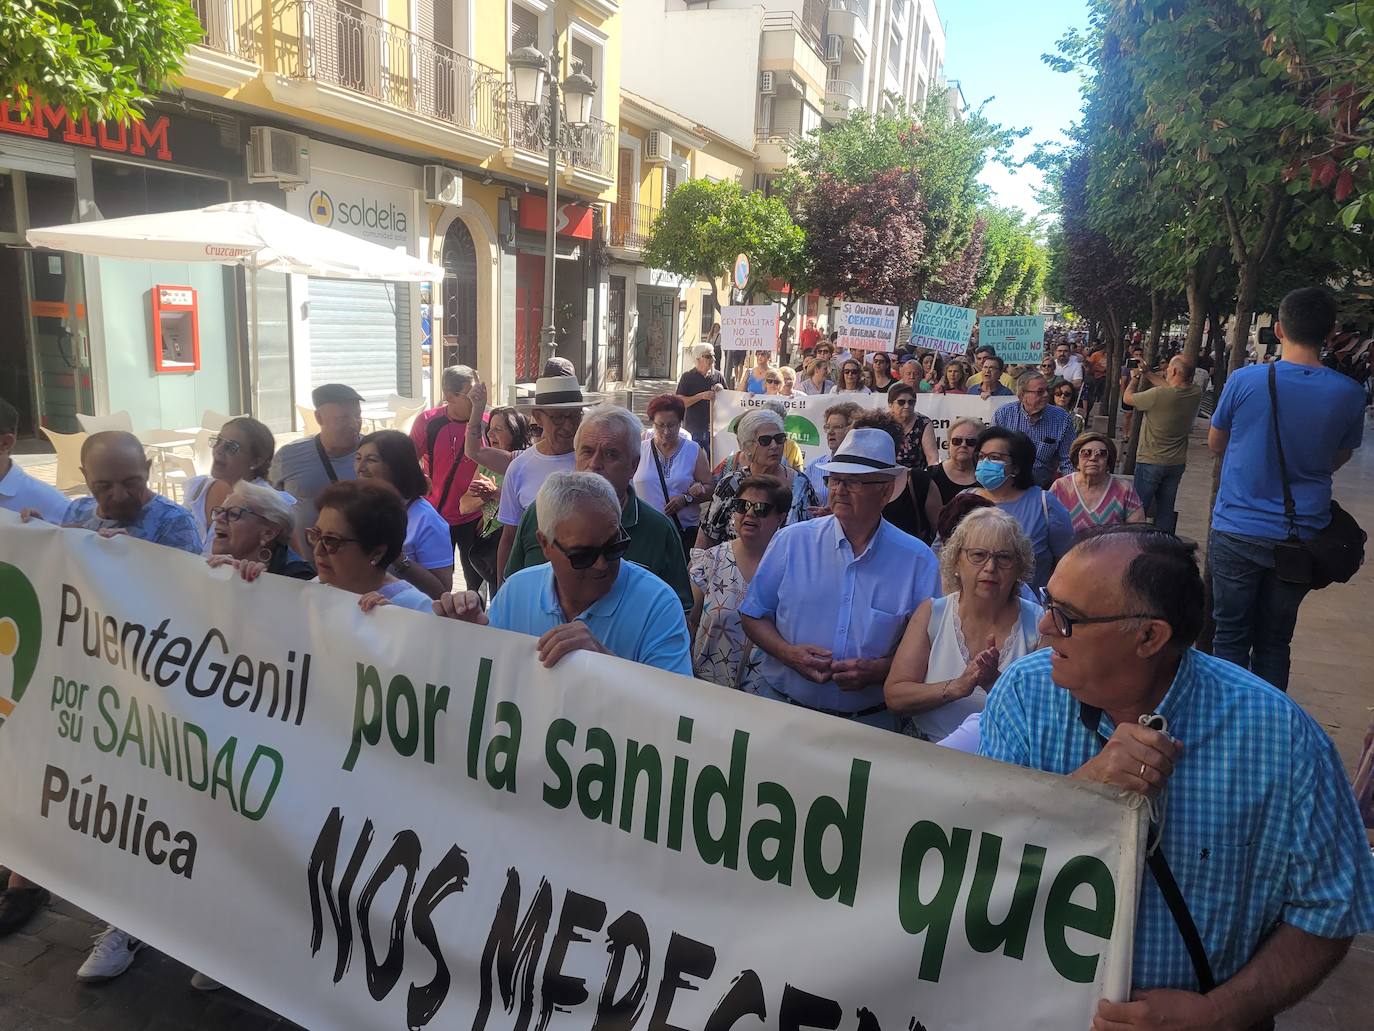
<point>385,820</point>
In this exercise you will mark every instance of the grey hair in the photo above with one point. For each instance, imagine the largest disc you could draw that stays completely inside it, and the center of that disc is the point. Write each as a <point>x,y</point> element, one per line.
<point>966,420</point>
<point>564,494</point>
<point>1027,378</point>
<point>631,429</point>
<point>752,423</point>
<point>990,525</point>
<point>457,378</point>
<point>268,503</point>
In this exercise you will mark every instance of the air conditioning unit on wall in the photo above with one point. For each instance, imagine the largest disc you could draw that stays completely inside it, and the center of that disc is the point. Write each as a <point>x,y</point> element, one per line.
<point>443,186</point>
<point>658,146</point>
<point>277,156</point>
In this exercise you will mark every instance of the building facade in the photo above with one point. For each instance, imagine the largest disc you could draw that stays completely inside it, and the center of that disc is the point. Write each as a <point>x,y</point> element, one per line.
<point>394,122</point>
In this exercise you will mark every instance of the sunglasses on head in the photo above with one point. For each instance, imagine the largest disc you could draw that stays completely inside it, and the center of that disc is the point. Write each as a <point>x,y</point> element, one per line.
<point>585,558</point>
<point>757,509</point>
<point>767,439</point>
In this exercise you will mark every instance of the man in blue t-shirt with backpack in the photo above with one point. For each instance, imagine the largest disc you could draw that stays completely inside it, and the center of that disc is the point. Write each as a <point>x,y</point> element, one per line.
<point>1320,418</point>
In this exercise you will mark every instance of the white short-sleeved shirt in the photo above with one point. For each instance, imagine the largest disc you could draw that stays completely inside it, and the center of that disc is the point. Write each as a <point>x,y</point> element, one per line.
<point>428,543</point>
<point>527,473</point>
<point>19,490</point>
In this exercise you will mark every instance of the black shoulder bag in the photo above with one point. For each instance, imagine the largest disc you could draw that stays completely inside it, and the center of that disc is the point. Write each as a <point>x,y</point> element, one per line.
<point>1336,553</point>
<point>324,461</point>
<point>432,431</point>
<point>1091,717</point>
<point>663,483</point>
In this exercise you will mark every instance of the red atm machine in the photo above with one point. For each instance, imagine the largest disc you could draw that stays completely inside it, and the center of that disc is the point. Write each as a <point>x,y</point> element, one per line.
<point>176,329</point>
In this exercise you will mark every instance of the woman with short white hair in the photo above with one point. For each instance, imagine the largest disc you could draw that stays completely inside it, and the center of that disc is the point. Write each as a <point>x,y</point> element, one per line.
<point>251,531</point>
<point>955,647</point>
<point>762,438</point>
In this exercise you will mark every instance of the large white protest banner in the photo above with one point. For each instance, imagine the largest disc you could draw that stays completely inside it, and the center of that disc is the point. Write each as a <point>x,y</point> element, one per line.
<point>804,416</point>
<point>749,327</point>
<point>945,328</point>
<point>866,327</point>
<point>384,821</point>
<point>1019,339</point>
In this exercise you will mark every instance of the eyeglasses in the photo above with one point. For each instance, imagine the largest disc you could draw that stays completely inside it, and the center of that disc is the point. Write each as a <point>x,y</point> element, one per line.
<point>1036,393</point>
<point>904,402</point>
<point>772,379</point>
<point>1094,453</point>
<point>757,509</point>
<point>1064,623</point>
<point>560,417</point>
<point>980,556</point>
<point>232,515</point>
<point>844,484</point>
<point>963,441</point>
<point>231,446</point>
<point>585,558</point>
<point>994,456</point>
<point>767,439</point>
<point>330,542</point>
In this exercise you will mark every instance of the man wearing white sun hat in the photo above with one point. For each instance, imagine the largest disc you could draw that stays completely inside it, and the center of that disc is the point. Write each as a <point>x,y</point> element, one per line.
<point>833,655</point>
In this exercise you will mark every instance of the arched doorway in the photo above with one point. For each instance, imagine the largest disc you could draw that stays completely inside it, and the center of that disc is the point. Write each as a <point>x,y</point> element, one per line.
<point>460,297</point>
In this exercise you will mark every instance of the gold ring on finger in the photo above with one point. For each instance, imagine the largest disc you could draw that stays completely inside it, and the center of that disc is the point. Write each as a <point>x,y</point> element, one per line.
<point>1142,771</point>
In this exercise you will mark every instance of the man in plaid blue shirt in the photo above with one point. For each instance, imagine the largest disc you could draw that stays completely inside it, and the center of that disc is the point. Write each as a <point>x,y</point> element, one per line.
<point>1257,820</point>
<point>1047,425</point>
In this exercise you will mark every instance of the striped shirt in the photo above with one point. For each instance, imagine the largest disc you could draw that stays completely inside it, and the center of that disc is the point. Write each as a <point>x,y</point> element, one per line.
<point>1052,435</point>
<point>1260,826</point>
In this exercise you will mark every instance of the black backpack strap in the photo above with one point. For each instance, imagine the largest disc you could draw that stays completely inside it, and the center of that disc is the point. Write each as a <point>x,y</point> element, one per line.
<point>433,428</point>
<point>324,461</point>
<point>1290,510</point>
<point>1168,887</point>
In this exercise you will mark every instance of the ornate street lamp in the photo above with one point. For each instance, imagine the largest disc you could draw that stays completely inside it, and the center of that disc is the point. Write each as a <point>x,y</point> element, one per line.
<point>531,71</point>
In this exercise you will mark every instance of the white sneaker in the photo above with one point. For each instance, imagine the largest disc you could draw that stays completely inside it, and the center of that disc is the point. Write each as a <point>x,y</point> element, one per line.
<point>113,953</point>
<point>202,983</point>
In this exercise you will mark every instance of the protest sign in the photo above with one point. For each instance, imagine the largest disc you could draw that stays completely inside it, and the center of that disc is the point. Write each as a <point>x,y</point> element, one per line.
<point>382,820</point>
<point>866,327</point>
<point>942,327</point>
<point>1019,339</point>
<point>805,416</point>
<point>749,327</point>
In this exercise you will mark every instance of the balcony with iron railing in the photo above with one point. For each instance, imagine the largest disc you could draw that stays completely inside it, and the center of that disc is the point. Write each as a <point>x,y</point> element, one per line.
<point>231,26</point>
<point>588,148</point>
<point>629,225</point>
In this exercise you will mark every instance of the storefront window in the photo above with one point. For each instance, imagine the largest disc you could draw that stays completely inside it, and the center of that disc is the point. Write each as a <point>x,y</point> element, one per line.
<point>9,222</point>
<point>122,189</point>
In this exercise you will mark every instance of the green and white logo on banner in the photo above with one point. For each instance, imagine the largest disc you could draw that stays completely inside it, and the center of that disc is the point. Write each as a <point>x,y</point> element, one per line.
<point>21,634</point>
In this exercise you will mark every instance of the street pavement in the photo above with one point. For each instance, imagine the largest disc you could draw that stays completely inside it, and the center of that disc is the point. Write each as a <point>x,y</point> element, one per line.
<point>1332,654</point>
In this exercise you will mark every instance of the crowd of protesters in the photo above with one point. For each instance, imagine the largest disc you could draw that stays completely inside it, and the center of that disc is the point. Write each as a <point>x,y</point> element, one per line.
<point>1013,595</point>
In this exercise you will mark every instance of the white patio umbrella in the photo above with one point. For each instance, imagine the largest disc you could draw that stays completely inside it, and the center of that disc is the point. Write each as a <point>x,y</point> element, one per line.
<point>258,236</point>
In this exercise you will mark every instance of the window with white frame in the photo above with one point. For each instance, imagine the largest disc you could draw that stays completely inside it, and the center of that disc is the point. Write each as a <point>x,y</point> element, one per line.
<point>526,26</point>
<point>587,52</point>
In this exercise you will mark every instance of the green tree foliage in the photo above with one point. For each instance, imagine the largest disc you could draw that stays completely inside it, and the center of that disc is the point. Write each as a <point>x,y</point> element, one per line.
<point>704,225</point>
<point>103,57</point>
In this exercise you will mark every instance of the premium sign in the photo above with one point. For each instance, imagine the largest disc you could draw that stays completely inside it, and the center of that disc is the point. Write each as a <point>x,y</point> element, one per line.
<point>384,821</point>
<point>1019,339</point>
<point>942,327</point>
<point>146,139</point>
<point>749,327</point>
<point>866,327</point>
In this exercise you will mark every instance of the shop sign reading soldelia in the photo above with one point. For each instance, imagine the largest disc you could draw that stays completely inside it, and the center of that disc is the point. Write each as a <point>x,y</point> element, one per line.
<point>370,211</point>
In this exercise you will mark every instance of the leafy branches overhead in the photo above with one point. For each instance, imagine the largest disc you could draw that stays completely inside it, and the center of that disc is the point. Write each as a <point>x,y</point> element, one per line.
<point>103,57</point>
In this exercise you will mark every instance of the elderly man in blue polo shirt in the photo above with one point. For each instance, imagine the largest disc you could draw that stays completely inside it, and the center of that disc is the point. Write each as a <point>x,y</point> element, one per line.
<point>831,596</point>
<point>1048,426</point>
<point>586,596</point>
<point>1259,873</point>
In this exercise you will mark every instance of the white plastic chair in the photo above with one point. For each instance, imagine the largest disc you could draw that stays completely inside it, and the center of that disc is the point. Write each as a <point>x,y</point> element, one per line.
<point>213,421</point>
<point>404,417</point>
<point>398,402</point>
<point>178,471</point>
<point>309,424</point>
<point>113,421</point>
<point>68,448</point>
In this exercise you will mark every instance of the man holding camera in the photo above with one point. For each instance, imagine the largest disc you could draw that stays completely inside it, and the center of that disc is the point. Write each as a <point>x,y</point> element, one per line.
<point>1168,405</point>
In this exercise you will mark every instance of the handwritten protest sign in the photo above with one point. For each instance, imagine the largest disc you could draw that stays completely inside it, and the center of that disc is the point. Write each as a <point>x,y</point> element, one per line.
<point>942,327</point>
<point>1019,339</point>
<point>749,327</point>
<point>866,327</point>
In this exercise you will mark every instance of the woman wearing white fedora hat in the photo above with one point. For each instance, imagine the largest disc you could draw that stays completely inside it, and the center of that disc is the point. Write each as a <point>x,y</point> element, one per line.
<point>558,404</point>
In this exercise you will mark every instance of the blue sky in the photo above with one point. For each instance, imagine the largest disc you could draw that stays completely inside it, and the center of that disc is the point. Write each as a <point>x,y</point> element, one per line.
<point>993,48</point>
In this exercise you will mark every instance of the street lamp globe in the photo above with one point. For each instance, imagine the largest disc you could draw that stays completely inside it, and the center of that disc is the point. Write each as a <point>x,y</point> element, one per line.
<point>529,67</point>
<point>578,91</point>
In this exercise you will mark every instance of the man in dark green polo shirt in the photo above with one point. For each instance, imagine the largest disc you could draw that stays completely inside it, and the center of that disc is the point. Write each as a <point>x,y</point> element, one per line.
<point>608,443</point>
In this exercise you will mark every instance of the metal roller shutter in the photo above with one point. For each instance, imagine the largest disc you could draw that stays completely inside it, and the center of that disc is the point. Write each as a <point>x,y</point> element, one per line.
<point>360,335</point>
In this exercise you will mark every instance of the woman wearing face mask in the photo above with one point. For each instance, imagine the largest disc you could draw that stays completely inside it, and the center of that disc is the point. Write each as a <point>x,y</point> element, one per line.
<point>1093,496</point>
<point>1004,474</point>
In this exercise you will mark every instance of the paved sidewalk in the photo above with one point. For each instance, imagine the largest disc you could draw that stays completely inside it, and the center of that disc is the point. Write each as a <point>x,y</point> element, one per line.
<point>1332,656</point>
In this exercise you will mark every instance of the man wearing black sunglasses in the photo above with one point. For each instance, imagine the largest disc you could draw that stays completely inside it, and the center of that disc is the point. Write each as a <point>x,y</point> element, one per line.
<point>585,597</point>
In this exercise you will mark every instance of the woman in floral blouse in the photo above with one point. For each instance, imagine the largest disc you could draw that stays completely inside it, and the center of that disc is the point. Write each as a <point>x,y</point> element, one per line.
<point>721,575</point>
<point>761,435</point>
<point>918,449</point>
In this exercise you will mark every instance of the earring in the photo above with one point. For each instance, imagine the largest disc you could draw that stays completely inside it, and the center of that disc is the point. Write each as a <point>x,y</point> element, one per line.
<point>265,554</point>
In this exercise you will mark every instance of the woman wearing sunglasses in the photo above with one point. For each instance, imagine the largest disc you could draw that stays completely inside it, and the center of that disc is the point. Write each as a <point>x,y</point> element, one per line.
<point>955,473</point>
<point>426,558</point>
<point>918,449</point>
<point>1063,394</point>
<point>358,534</point>
<point>1091,493</point>
<point>754,380</point>
<point>252,532</point>
<point>721,575</point>
<point>882,372</point>
<point>584,597</point>
<point>852,378</point>
<point>241,450</point>
<point>762,441</point>
<point>954,647</point>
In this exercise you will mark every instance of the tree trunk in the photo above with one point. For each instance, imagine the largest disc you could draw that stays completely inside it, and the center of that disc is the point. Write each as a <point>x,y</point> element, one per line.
<point>1246,295</point>
<point>1151,350</point>
<point>1198,288</point>
<point>1116,349</point>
